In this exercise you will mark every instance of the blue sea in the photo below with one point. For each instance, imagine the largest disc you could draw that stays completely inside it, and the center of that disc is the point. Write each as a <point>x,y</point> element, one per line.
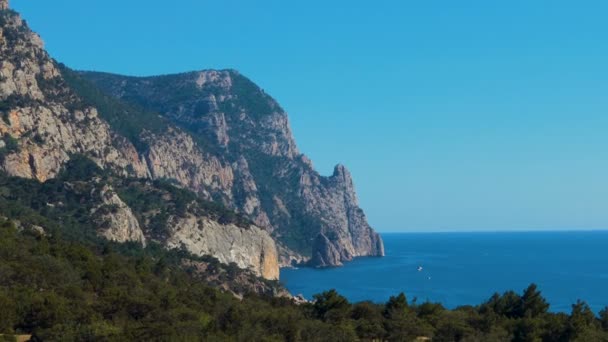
<point>467,268</point>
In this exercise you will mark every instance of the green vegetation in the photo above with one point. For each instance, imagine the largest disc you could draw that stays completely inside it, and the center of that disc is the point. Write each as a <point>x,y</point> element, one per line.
<point>126,119</point>
<point>155,201</point>
<point>64,283</point>
<point>70,198</point>
<point>250,97</point>
<point>169,98</point>
<point>174,95</point>
<point>61,290</point>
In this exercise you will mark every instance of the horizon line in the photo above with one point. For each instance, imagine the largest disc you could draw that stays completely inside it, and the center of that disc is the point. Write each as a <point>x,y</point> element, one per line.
<point>568,230</point>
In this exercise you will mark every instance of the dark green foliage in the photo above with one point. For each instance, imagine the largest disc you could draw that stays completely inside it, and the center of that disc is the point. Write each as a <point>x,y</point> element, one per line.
<point>126,119</point>
<point>69,285</point>
<point>61,290</point>
<point>395,306</point>
<point>581,322</point>
<point>329,306</point>
<point>532,303</point>
<point>155,201</point>
<point>80,168</point>
<point>251,97</point>
<point>604,319</point>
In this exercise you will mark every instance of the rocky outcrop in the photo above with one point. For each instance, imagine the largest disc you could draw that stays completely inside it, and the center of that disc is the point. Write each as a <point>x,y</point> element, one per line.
<point>116,219</point>
<point>346,233</point>
<point>250,248</point>
<point>174,155</point>
<point>325,252</point>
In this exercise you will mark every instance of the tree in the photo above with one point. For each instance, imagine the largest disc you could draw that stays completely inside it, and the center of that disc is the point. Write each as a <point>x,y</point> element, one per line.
<point>330,306</point>
<point>581,320</point>
<point>526,330</point>
<point>604,319</point>
<point>532,303</point>
<point>395,305</point>
<point>452,326</point>
<point>506,305</point>
<point>368,320</point>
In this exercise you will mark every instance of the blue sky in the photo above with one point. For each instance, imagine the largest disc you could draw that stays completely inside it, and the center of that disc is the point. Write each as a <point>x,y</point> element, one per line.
<point>451,115</point>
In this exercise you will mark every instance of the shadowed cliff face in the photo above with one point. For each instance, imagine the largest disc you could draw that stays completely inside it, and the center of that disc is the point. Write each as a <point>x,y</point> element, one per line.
<point>313,218</point>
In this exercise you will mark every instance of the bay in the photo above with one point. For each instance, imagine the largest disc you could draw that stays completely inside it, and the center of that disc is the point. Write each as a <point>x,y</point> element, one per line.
<point>457,269</point>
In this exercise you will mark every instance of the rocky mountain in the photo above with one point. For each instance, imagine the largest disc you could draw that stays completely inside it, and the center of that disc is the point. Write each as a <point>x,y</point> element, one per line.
<point>212,133</point>
<point>314,218</point>
<point>45,124</point>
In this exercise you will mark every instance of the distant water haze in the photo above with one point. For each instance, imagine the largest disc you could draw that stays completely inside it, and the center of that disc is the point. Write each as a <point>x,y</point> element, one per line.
<point>468,268</point>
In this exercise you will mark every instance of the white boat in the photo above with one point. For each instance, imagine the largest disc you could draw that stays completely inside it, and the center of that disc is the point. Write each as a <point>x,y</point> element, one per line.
<point>419,268</point>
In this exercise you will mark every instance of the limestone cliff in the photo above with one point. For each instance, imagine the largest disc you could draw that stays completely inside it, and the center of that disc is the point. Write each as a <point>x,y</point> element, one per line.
<point>41,117</point>
<point>45,123</point>
<point>177,218</point>
<point>228,243</point>
<point>116,220</point>
<point>272,182</point>
<point>214,132</point>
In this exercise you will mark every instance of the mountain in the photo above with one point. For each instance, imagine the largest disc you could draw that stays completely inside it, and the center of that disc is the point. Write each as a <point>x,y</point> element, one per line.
<point>312,217</point>
<point>214,135</point>
<point>45,125</point>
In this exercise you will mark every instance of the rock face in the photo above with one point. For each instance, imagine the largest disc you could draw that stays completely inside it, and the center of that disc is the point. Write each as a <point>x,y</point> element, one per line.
<point>117,222</point>
<point>228,243</point>
<point>272,182</point>
<point>218,135</point>
<point>176,156</point>
<point>44,123</point>
<point>42,117</point>
<point>3,4</point>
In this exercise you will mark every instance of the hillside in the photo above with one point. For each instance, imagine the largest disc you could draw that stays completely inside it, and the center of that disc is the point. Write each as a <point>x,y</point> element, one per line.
<point>45,126</point>
<point>313,217</point>
<point>213,132</point>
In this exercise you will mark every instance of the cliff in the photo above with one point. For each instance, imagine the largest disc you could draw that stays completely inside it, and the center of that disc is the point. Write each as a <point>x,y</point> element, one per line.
<point>45,124</point>
<point>213,132</point>
<point>273,183</point>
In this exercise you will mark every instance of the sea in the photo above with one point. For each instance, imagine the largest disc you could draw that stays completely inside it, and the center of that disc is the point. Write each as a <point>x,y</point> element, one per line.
<point>458,269</point>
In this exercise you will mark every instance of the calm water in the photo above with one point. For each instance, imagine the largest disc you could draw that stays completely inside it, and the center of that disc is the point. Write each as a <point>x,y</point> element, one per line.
<point>467,268</point>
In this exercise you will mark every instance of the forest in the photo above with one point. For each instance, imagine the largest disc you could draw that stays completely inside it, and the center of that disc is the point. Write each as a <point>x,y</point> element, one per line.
<point>60,282</point>
<point>61,290</point>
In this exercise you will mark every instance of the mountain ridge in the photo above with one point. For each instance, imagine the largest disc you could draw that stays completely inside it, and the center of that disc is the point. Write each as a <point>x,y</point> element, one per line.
<point>213,109</point>
<point>212,132</point>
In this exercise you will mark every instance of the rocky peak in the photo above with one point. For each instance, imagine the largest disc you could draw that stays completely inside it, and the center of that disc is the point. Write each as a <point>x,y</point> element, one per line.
<point>342,175</point>
<point>46,119</point>
<point>43,119</point>
<point>214,78</point>
<point>3,4</point>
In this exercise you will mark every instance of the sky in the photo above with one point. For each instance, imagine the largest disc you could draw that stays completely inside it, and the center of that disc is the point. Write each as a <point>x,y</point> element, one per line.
<point>451,115</point>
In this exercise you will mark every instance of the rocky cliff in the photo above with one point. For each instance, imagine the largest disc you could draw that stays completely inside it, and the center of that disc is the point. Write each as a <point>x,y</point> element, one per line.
<point>248,248</point>
<point>44,124</point>
<point>273,183</point>
<point>213,132</point>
